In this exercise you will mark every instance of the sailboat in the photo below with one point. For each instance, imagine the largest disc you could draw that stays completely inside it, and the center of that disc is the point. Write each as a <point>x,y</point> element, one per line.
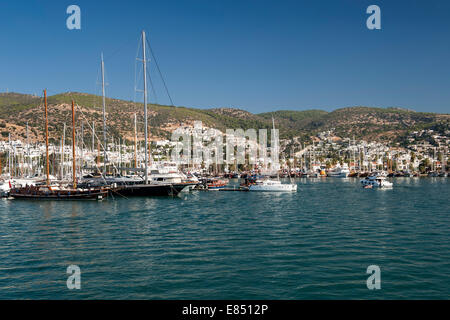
<point>147,187</point>
<point>270,184</point>
<point>55,192</point>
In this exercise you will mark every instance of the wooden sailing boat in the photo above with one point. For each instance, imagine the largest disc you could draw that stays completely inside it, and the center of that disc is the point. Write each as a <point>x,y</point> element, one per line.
<point>49,192</point>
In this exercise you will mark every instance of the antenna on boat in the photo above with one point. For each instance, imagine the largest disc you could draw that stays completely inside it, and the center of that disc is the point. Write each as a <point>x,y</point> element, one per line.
<point>46,138</point>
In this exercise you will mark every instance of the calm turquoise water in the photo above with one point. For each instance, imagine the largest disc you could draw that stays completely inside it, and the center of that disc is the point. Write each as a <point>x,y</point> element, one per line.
<point>315,244</point>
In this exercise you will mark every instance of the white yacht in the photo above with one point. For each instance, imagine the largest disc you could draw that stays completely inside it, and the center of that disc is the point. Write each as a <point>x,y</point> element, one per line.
<point>376,180</point>
<point>273,185</point>
<point>339,172</point>
<point>168,172</point>
<point>168,177</point>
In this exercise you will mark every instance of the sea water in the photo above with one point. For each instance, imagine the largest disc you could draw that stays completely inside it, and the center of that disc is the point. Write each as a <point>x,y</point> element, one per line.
<point>316,243</point>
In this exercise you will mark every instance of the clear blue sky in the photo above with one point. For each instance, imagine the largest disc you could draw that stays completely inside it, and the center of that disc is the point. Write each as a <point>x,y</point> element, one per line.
<point>253,54</point>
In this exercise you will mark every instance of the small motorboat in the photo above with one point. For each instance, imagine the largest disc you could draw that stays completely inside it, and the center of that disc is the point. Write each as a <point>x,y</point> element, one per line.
<point>212,184</point>
<point>216,184</point>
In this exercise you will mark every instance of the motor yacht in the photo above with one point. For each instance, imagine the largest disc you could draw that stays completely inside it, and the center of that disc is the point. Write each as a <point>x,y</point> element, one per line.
<point>376,180</point>
<point>339,172</point>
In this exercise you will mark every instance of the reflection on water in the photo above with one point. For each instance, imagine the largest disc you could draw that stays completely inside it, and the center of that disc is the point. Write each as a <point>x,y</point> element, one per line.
<point>316,243</point>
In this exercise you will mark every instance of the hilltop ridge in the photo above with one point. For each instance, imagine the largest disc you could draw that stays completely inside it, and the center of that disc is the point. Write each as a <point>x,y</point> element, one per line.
<point>368,123</point>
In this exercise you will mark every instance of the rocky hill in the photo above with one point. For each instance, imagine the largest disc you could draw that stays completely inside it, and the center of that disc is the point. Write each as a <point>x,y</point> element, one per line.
<point>383,124</point>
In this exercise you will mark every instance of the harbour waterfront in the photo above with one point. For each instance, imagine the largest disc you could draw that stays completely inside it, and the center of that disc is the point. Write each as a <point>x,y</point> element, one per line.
<point>313,244</point>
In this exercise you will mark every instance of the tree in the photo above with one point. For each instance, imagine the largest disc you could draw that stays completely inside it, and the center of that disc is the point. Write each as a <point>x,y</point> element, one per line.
<point>425,165</point>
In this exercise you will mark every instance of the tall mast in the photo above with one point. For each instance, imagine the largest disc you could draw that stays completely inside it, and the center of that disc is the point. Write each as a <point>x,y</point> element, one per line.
<point>14,162</point>
<point>135,140</point>
<point>9,154</point>
<point>93,136</point>
<point>354,158</point>
<point>434,158</point>
<point>46,138</point>
<point>98,153</point>
<point>74,165</point>
<point>120,155</point>
<point>60,166</point>
<point>104,117</point>
<point>82,148</point>
<point>145,105</point>
<point>275,148</point>
<point>63,151</point>
<point>28,153</point>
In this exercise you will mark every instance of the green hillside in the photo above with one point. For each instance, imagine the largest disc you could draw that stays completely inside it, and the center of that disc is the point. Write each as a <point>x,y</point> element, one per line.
<point>362,122</point>
<point>16,102</point>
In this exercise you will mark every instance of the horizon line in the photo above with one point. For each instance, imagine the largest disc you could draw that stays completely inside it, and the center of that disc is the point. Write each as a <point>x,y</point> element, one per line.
<point>232,107</point>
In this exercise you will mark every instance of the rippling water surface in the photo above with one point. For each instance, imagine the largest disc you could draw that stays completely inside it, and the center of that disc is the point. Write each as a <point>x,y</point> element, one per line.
<point>314,244</point>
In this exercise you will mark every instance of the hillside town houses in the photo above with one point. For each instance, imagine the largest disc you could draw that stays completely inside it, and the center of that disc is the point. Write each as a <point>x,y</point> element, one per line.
<point>323,151</point>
